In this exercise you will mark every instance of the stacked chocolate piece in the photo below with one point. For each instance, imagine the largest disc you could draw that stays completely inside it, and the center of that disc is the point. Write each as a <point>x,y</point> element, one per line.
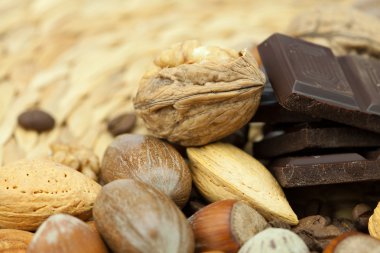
<point>325,127</point>
<point>321,134</point>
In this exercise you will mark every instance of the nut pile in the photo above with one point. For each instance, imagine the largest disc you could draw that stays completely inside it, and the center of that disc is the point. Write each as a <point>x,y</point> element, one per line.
<point>186,188</point>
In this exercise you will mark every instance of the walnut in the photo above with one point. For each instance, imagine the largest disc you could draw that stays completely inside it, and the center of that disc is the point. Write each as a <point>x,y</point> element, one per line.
<point>344,30</point>
<point>199,94</point>
<point>76,157</point>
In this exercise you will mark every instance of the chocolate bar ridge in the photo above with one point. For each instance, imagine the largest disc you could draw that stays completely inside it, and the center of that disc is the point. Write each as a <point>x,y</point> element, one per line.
<point>325,169</point>
<point>310,137</point>
<point>307,78</point>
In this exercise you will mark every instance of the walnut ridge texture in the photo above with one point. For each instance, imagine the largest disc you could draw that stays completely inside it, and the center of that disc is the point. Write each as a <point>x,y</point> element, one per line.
<point>197,94</point>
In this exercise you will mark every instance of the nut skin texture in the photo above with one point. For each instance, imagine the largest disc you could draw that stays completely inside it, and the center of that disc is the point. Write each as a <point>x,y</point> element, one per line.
<point>193,101</point>
<point>62,233</point>
<point>134,217</point>
<point>225,225</point>
<point>12,240</point>
<point>352,242</point>
<point>150,160</point>
<point>275,240</point>
<point>33,190</point>
<point>222,171</point>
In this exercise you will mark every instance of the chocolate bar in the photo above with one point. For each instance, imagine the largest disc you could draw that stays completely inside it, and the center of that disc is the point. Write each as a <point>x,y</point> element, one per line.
<point>308,78</point>
<point>314,137</point>
<point>271,112</point>
<point>325,169</point>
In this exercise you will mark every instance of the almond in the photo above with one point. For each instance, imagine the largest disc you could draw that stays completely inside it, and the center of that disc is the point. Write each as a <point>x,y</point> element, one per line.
<point>62,233</point>
<point>222,171</point>
<point>33,190</point>
<point>12,240</point>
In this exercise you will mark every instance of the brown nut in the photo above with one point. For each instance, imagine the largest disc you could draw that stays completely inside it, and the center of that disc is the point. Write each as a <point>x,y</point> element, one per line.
<point>275,240</point>
<point>33,190</point>
<point>197,94</point>
<point>150,160</point>
<point>134,217</point>
<point>353,242</point>
<point>225,225</point>
<point>62,233</point>
<point>14,240</point>
<point>222,171</point>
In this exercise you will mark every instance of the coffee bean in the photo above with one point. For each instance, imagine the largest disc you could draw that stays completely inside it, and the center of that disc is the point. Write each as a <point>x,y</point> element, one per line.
<point>122,124</point>
<point>36,120</point>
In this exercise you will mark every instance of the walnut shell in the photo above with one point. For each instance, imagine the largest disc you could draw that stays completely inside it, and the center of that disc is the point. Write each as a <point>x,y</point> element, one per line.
<point>198,95</point>
<point>343,29</point>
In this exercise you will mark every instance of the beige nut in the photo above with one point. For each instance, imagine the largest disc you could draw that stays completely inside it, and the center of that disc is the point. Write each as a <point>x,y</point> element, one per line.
<point>197,94</point>
<point>12,240</point>
<point>33,190</point>
<point>374,223</point>
<point>222,171</point>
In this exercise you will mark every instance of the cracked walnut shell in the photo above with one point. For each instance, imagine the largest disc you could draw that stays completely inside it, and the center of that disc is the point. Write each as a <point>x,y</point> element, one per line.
<point>76,157</point>
<point>197,94</point>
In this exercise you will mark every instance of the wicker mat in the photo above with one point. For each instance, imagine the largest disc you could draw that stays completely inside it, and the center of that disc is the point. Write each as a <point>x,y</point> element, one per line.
<point>81,61</point>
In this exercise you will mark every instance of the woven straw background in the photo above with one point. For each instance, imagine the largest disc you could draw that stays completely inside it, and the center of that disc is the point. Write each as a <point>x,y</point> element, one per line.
<point>82,60</point>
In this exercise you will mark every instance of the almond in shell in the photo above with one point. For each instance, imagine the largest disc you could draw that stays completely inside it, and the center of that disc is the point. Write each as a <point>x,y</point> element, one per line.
<point>222,171</point>
<point>33,190</point>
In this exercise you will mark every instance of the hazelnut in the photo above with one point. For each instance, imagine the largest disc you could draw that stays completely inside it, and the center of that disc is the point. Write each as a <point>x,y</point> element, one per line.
<point>150,160</point>
<point>352,242</point>
<point>62,233</point>
<point>134,217</point>
<point>225,225</point>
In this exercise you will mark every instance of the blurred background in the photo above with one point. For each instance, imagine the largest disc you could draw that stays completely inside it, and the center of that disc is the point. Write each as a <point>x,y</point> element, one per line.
<point>81,61</point>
